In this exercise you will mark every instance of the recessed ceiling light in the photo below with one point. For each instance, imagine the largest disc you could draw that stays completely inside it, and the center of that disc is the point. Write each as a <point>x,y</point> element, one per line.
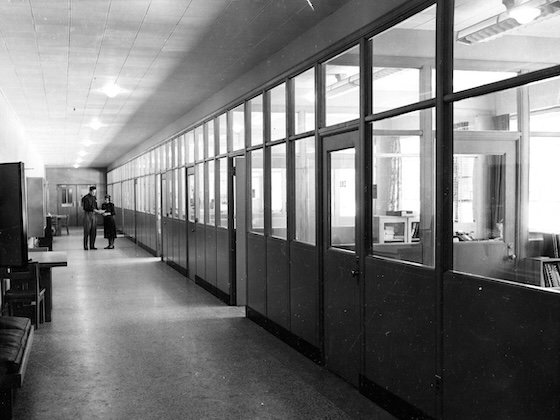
<point>112,89</point>
<point>75,165</point>
<point>95,124</point>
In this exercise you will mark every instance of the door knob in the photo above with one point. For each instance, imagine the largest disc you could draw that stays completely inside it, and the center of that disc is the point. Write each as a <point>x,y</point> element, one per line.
<point>355,272</point>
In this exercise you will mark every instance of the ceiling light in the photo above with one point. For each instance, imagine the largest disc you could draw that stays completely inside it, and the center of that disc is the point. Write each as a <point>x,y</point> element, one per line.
<point>82,153</point>
<point>79,160</point>
<point>524,14</point>
<point>87,143</point>
<point>75,165</point>
<point>518,13</point>
<point>95,124</point>
<point>112,89</point>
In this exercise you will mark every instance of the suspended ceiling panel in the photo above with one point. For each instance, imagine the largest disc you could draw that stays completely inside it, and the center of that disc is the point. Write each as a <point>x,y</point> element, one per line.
<point>166,56</point>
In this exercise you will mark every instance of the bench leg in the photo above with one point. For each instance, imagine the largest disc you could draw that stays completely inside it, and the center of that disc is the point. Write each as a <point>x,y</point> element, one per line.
<point>6,403</point>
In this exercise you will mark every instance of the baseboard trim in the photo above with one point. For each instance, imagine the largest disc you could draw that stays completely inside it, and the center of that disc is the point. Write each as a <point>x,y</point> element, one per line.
<point>390,402</point>
<point>146,248</point>
<point>224,297</point>
<point>177,267</point>
<point>299,344</point>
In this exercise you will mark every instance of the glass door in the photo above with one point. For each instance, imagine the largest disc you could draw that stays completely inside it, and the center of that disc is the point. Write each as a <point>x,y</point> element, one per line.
<point>340,268</point>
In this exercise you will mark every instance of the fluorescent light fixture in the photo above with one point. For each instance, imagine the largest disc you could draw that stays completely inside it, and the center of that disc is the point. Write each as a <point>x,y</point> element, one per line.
<point>518,14</point>
<point>343,86</point>
<point>95,124</point>
<point>112,89</point>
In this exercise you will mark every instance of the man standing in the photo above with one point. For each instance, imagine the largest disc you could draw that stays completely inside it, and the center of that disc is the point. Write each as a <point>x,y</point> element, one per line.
<point>89,204</point>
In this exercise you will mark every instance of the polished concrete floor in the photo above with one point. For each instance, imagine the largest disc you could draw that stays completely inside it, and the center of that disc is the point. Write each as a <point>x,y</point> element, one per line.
<point>131,338</point>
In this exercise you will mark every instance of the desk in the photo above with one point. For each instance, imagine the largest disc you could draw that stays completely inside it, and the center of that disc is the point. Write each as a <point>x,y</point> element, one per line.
<point>391,229</point>
<point>48,260</point>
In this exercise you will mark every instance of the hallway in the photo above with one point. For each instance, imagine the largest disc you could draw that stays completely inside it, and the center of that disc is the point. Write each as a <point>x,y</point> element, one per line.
<point>132,338</point>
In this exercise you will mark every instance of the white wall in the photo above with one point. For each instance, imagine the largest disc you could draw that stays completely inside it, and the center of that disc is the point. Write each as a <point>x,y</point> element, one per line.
<point>13,142</point>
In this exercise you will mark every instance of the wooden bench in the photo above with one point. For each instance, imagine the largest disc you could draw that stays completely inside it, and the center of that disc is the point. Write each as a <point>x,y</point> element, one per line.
<point>16,338</point>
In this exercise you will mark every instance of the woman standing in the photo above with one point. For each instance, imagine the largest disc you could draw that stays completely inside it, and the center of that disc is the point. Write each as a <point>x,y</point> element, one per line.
<point>109,228</point>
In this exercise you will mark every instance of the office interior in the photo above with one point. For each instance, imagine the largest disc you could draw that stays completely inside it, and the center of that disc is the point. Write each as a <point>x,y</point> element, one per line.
<point>378,193</point>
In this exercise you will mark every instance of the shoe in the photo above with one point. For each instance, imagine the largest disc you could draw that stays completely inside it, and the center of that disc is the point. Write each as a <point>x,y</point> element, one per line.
<point>111,247</point>
<point>93,247</point>
<point>107,247</point>
<point>85,248</point>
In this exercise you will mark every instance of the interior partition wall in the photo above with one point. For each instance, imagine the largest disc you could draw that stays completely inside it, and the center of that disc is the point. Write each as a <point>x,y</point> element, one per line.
<point>397,206</point>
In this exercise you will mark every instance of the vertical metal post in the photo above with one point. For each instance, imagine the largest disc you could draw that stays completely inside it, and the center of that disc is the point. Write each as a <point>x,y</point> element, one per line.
<point>444,177</point>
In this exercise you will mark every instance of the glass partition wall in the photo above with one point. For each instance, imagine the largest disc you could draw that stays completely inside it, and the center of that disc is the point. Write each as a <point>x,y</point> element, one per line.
<point>480,122</point>
<point>505,134</point>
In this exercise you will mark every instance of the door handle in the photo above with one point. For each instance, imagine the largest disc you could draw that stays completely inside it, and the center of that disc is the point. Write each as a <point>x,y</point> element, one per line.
<point>355,272</point>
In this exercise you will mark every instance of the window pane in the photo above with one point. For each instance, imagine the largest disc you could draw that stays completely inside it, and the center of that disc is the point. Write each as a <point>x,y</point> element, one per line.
<point>176,187</point>
<point>403,183</point>
<point>278,112</point>
<point>510,39</point>
<point>175,147</point>
<point>222,165</point>
<point>485,192</point>
<point>222,123</point>
<point>182,198</point>
<point>257,192</point>
<point>168,156</point>
<point>200,193</point>
<point>199,139</point>
<point>304,102</point>
<point>238,127</point>
<point>211,197</point>
<point>342,87</point>
<point>305,190</point>
<point>190,146</point>
<point>278,191</point>
<point>192,204</point>
<point>256,109</point>
<point>343,198</point>
<point>210,138</point>
<point>403,59</point>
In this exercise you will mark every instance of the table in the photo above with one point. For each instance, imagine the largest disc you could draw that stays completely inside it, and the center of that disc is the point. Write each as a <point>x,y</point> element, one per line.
<point>47,260</point>
<point>58,221</point>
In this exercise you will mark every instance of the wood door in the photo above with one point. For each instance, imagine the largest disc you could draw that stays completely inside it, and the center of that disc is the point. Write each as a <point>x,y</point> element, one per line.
<point>342,343</point>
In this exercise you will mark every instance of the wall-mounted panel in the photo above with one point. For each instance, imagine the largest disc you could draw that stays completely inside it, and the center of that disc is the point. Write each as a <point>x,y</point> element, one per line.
<point>191,250</point>
<point>278,282</point>
<point>200,232</point>
<point>256,273</point>
<point>304,292</point>
<point>222,260</point>
<point>500,350</point>
<point>211,275</point>
<point>182,227</point>
<point>400,331</point>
